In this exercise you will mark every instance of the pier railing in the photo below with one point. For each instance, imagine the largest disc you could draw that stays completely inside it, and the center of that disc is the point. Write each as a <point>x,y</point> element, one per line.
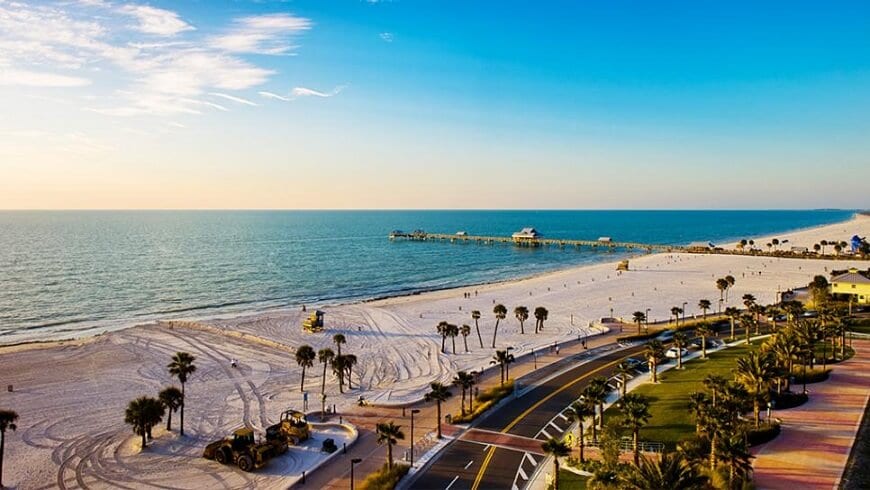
<point>532,242</point>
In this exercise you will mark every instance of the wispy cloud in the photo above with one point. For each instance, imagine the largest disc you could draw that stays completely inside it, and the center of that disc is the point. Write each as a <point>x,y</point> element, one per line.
<point>233,98</point>
<point>264,34</point>
<point>168,67</point>
<point>270,95</point>
<point>307,92</point>
<point>387,36</point>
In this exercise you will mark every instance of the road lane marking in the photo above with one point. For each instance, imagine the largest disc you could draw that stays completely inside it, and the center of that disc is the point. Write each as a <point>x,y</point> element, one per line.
<point>529,410</point>
<point>532,459</point>
<point>523,474</point>
<point>557,427</point>
<point>486,447</point>
<point>469,464</point>
<point>452,482</point>
<point>563,417</point>
<point>546,434</point>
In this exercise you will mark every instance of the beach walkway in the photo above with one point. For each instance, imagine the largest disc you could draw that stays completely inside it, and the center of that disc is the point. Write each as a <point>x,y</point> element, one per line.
<point>812,451</point>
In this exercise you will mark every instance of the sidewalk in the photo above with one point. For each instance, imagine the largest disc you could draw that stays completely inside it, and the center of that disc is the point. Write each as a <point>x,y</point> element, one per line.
<point>812,450</point>
<point>336,474</point>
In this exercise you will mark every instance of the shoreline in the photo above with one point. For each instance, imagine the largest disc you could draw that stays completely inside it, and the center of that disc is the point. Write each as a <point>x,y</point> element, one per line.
<point>122,325</point>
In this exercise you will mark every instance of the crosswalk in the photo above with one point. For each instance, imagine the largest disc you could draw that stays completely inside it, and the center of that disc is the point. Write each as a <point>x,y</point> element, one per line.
<point>525,471</point>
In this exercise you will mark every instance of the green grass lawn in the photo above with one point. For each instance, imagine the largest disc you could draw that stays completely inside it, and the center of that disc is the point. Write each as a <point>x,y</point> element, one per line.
<point>671,421</point>
<point>861,325</point>
<point>571,481</point>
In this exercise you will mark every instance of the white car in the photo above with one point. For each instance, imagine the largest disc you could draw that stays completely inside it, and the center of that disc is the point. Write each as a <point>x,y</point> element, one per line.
<point>672,353</point>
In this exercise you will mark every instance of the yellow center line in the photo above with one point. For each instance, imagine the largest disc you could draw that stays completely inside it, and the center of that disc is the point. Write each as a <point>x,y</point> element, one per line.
<point>529,410</point>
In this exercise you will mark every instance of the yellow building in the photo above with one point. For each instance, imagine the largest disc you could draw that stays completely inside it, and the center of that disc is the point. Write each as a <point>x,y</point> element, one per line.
<point>854,284</point>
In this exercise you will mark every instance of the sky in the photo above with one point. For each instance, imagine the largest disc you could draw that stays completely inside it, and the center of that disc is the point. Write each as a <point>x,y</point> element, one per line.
<point>364,104</point>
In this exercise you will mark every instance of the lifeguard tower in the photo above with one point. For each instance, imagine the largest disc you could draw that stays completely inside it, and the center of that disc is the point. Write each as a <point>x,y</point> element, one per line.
<point>314,322</point>
<point>622,266</point>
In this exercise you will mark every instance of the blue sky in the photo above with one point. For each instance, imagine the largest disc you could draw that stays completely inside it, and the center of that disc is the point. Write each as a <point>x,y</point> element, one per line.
<point>434,104</point>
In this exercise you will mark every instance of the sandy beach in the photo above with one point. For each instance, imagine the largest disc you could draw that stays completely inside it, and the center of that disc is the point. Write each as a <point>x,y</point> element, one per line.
<point>71,395</point>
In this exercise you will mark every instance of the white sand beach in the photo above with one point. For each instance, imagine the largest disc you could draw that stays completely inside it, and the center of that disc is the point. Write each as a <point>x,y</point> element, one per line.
<point>71,396</point>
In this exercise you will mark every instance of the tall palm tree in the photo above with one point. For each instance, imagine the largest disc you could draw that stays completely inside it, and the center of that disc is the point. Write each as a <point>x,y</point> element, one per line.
<point>623,370</point>
<point>635,414</point>
<point>704,305</point>
<point>671,472</point>
<point>452,332</point>
<point>639,318</point>
<point>339,339</point>
<point>541,315</point>
<point>350,361</point>
<point>733,452</point>
<point>339,369</point>
<point>676,311</point>
<point>389,434</point>
<point>500,313</point>
<point>503,358</point>
<point>475,315</point>
<point>730,280</point>
<point>722,286</point>
<point>465,331</point>
<point>442,329</point>
<point>558,449</point>
<point>654,351</point>
<point>464,381</point>
<point>580,411</point>
<point>144,413</point>
<point>171,398</point>
<point>325,356</point>
<point>716,385</point>
<point>438,393</point>
<point>522,314</point>
<point>7,422</point>
<point>597,390</point>
<point>681,340</point>
<point>755,371</point>
<point>747,322</point>
<point>748,300</point>
<point>733,314</point>
<point>589,397</point>
<point>305,357</point>
<point>182,367</point>
<point>704,330</point>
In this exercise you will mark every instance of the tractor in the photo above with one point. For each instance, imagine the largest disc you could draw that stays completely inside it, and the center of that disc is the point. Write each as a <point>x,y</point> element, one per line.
<point>314,323</point>
<point>292,429</point>
<point>241,449</point>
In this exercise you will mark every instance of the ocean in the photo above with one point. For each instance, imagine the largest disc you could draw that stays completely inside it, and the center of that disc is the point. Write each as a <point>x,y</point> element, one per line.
<point>71,273</point>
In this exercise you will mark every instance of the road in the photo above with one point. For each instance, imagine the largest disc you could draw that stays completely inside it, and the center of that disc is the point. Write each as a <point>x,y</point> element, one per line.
<point>502,451</point>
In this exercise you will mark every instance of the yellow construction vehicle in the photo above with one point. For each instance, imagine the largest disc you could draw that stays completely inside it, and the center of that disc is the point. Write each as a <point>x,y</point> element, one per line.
<point>241,449</point>
<point>314,323</point>
<point>291,430</point>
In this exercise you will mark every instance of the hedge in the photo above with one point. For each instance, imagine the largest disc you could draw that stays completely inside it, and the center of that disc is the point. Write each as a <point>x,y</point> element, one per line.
<point>385,478</point>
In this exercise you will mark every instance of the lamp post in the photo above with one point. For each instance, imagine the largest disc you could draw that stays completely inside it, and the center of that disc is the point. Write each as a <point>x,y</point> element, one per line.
<point>353,462</point>
<point>646,316</point>
<point>507,364</point>
<point>684,312</point>
<point>413,411</point>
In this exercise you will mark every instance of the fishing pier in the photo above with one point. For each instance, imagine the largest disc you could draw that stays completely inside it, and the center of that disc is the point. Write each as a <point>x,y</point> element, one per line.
<point>529,237</point>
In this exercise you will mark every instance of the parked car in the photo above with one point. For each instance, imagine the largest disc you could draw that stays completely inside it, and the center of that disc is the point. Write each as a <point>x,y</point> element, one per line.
<point>711,343</point>
<point>810,314</point>
<point>665,335</point>
<point>672,352</point>
<point>778,318</point>
<point>637,364</point>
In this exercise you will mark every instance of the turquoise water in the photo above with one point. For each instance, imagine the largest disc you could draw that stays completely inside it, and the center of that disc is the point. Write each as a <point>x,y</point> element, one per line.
<point>68,273</point>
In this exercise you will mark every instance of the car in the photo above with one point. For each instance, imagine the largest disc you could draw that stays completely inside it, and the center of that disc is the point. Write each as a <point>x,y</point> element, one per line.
<point>673,352</point>
<point>809,314</point>
<point>777,318</point>
<point>711,343</point>
<point>637,364</point>
<point>665,336</point>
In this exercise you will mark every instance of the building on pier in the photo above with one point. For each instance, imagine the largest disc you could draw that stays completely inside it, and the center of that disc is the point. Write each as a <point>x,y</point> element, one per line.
<point>527,237</point>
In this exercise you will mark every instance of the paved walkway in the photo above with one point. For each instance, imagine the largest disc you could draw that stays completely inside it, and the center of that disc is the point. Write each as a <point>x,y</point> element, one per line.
<point>812,451</point>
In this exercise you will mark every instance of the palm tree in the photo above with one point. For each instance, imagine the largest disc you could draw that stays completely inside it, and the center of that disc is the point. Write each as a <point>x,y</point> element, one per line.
<point>676,311</point>
<point>442,329</point>
<point>465,331</point>
<point>305,356</point>
<point>389,434</point>
<point>734,453</point>
<point>144,413</point>
<point>464,381</point>
<point>748,300</point>
<point>339,368</point>
<point>452,331</point>
<point>541,315</point>
<point>775,242</point>
<point>704,330</point>
<point>503,358</point>
<point>522,314</point>
<point>350,361</point>
<point>623,370</point>
<point>597,391</point>
<point>590,397</point>
<point>438,393</point>
<point>500,313</point>
<point>722,286</point>
<point>639,318</point>
<point>732,313</point>
<point>755,372</point>
<point>680,341</point>
<point>747,322</point>
<point>475,315</point>
<point>339,339</point>
<point>557,449</point>
<point>654,351</point>
<point>171,398</point>
<point>7,422</point>
<point>730,280</point>
<point>716,384</point>
<point>635,413</point>
<point>325,356</point>
<point>670,472</point>
<point>704,305</point>
<point>182,367</point>
<point>580,411</point>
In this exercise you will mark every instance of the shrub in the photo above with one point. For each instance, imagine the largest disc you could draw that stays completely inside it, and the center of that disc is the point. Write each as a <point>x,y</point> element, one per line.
<point>385,478</point>
<point>812,376</point>
<point>789,400</point>
<point>485,400</point>
<point>329,446</point>
<point>765,433</point>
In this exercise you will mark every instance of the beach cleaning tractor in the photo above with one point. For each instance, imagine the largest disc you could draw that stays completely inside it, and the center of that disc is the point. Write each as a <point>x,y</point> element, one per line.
<point>242,450</point>
<point>291,430</point>
<point>314,322</point>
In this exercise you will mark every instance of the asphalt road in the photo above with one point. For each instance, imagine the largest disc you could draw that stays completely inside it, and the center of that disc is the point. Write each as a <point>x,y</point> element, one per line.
<point>470,465</point>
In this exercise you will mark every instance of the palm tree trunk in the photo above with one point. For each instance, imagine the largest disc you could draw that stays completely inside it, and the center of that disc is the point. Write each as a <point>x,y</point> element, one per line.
<point>679,358</point>
<point>732,328</point>
<point>144,441</point>
<point>479,338</point>
<point>168,420</point>
<point>389,456</point>
<point>601,415</point>
<point>636,449</point>
<point>582,443</point>
<point>713,451</point>
<point>556,474</point>
<point>302,386</point>
<point>323,382</point>
<point>465,341</point>
<point>443,339</point>
<point>507,371</point>
<point>438,405</point>
<point>494,332</point>
<point>522,329</point>
<point>703,347</point>
<point>453,338</point>
<point>462,403</point>
<point>349,377</point>
<point>757,410</point>
<point>181,424</point>
<point>2,448</point>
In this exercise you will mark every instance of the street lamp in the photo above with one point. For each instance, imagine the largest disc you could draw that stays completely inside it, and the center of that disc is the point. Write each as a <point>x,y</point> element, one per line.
<point>353,462</point>
<point>413,411</point>
<point>507,364</point>
<point>646,316</point>
<point>684,311</point>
